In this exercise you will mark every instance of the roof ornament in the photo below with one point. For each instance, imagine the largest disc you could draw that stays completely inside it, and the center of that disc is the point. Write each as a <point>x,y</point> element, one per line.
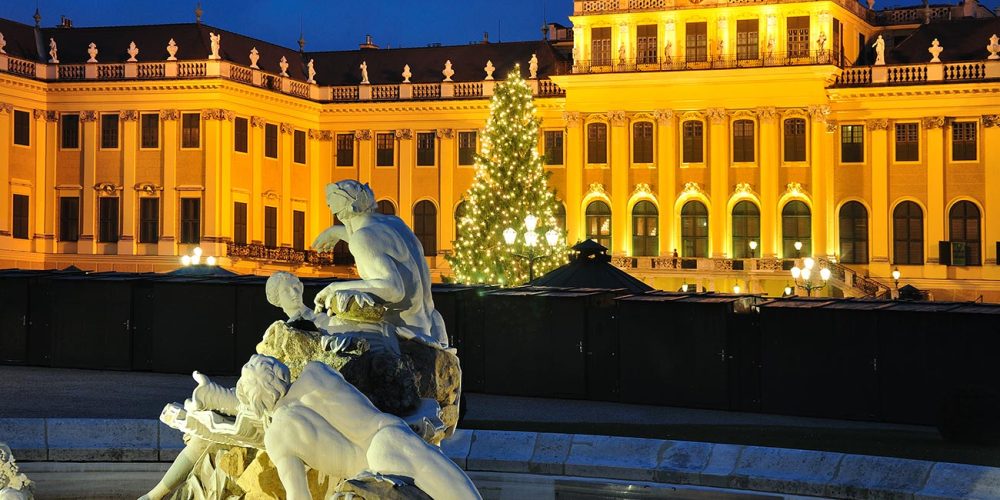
<point>216,43</point>
<point>38,18</point>
<point>489,70</point>
<point>197,13</point>
<point>53,51</point>
<point>448,72</point>
<point>935,50</point>
<point>283,64</point>
<point>92,52</point>
<point>406,73</point>
<point>533,66</point>
<point>254,57</point>
<point>993,47</point>
<point>3,43</point>
<point>879,51</point>
<point>132,52</point>
<point>364,73</point>
<point>171,50</point>
<point>312,72</point>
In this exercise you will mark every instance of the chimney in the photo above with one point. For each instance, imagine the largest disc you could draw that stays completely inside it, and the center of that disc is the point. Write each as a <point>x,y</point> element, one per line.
<point>369,44</point>
<point>65,22</point>
<point>486,37</point>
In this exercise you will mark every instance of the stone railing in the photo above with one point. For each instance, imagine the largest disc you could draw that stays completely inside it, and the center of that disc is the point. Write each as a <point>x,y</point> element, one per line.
<point>284,255</point>
<point>709,61</point>
<point>909,74</point>
<point>702,264</point>
<point>261,79</point>
<point>846,278</point>
<point>586,7</point>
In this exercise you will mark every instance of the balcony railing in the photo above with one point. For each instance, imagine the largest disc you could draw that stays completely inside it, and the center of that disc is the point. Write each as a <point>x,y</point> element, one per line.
<point>725,61</point>
<point>587,7</point>
<point>702,264</point>
<point>913,74</point>
<point>286,255</point>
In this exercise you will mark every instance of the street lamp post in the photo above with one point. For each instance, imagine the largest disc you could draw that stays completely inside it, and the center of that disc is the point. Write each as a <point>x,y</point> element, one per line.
<point>805,278</point>
<point>895,277</point>
<point>531,241</point>
<point>798,249</point>
<point>753,248</point>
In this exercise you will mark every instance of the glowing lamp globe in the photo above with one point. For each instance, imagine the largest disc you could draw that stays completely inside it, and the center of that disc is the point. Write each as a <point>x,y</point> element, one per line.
<point>552,237</point>
<point>896,274</point>
<point>210,261</point>
<point>197,251</point>
<point>798,246</point>
<point>530,222</point>
<point>806,273</point>
<point>788,291</point>
<point>736,289</point>
<point>753,245</point>
<point>531,238</point>
<point>825,274</point>
<point>796,272</point>
<point>684,287</point>
<point>809,262</point>
<point>509,235</point>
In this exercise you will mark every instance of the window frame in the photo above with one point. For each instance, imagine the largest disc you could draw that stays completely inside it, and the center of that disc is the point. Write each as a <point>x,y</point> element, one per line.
<point>592,146</point>
<point>785,142</point>
<point>69,233</point>
<point>272,143</point>
<point>342,154</point>
<point>241,218</point>
<point>244,123</point>
<point>685,161</point>
<point>142,131</point>
<point>104,129</point>
<point>604,49</point>
<point>744,141</point>
<point>62,132</point>
<point>184,129</point>
<point>741,242</point>
<point>142,237</point>
<point>788,242</point>
<point>391,138</point>
<point>20,226</point>
<point>909,240</point>
<point>696,52</point>
<point>974,146</point>
<point>299,230</point>
<point>268,235</point>
<point>300,147</point>
<point>857,238</point>
<point>562,147</point>
<point>843,130</point>
<point>651,147</point>
<point>689,220</point>
<point>646,240</point>
<point>896,142</point>
<point>469,151</point>
<point>647,47</point>
<point>185,222</point>
<point>743,47</point>
<point>15,118</point>
<point>797,43</point>
<point>104,233</point>
<point>599,215</point>
<point>425,156</point>
<point>421,223</point>
<point>966,204</point>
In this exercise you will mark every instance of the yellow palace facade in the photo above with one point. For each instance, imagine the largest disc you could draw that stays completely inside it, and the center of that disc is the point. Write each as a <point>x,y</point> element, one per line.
<point>707,142</point>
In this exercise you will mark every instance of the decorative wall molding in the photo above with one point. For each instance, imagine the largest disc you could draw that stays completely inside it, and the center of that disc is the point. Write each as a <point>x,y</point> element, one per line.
<point>597,188</point>
<point>767,113</point>
<point>107,188</point>
<point>38,114</point>
<point>363,135</point>
<point>794,189</point>
<point>617,118</point>
<point>743,188</point>
<point>320,135</point>
<point>878,124</point>
<point>404,134</point>
<point>165,115</point>
<point>88,116</point>
<point>831,126</point>
<point>6,107</point>
<point>51,116</point>
<point>445,133</point>
<point>287,128</point>
<point>257,122</point>
<point>991,121</point>
<point>572,118</point>
<point>692,188</point>
<point>147,187</point>
<point>663,116</point>
<point>128,115</point>
<point>716,115</point>
<point>931,122</point>
<point>642,188</point>
<point>217,114</point>
<point>271,195</point>
<point>819,112</point>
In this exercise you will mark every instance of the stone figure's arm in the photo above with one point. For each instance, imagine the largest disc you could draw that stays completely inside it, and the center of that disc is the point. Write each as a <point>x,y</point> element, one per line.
<point>384,279</point>
<point>329,238</point>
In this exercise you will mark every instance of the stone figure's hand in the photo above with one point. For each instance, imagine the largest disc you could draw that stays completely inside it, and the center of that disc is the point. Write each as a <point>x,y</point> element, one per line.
<point>196,396</point>
<point>337,301</point>
<point>335,343</point>
<point>326,241</point>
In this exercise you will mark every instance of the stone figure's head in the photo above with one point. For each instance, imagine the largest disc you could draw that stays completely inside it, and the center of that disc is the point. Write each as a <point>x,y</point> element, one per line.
<point>348,198</point>
<point>284,290</point>
<point>263,381</point>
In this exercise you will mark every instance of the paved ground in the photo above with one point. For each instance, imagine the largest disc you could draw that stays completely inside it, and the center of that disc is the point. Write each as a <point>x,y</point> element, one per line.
<point>63,393</point>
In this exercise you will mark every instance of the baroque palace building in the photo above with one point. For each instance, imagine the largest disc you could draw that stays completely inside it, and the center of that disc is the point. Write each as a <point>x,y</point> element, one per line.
<point>705,142</point>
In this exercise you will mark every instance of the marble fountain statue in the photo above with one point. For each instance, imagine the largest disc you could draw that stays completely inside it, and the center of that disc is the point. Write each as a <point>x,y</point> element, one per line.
<point>349,399</point>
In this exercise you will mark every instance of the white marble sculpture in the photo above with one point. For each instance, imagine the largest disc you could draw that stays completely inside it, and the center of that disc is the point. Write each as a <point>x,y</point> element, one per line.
<point>364,73</point>
<point>821,43</point>
<point>993,48</point>
<point>769,50</point>
<point>390,261</point>
<point>283,65</point>
<point>621,53</point>
<point>171,50</point>
<point>319,421</point>
<point>14,485</point>
<point>132,52</point>
<point>254,57</point>
<point>92,52</point>
<point>720,47</point>
<point>879,51</point>
<point>448,72</point>
<point>53,51</point>
<point>533,67</point>
<point>406,73</point>
<point>311,68</point>
<point>3,43</point>
<point>489,69</point>
<point>666,52</point>
<point>576,55</point>
<point>935,49</point>
<point>215,45</point>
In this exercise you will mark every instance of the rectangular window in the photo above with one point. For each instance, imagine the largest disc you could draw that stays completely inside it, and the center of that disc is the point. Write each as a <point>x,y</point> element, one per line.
<point>240,223</point>
<point>600,46</point>
<point>270,140</point>
<point>271,227</point>
<point>696,42</point>
<point>298,230</point>
<point>70,131</point>
<point>646,44</point>
<point>425,149</point>
<point>795,139</point>
<point>385,150</point>
<point>553,147</point>
<point>693,140</point>
<point>345,150</point>
<point>597,143</point>
<point>852,143</point>
<point>22,128</point>
<point>69,218</point>
<point>149,220</point>
<point>963,141</point>
<point>907,142</point>
<point>190,130</point>
<point>20,222</point>
<point>108,216</point>
<point>150,124</point>
<point>299,146</point>
<point>109,131</point>
<point>190,220</point>
<point>743,143</point>
<point>798,36</point>
<point>241,135</point>
<point>642,142</point>
<point>747,48</point>
<point>466,148</point>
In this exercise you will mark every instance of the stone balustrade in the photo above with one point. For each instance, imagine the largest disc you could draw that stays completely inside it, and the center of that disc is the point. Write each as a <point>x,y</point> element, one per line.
<point>909,74</point>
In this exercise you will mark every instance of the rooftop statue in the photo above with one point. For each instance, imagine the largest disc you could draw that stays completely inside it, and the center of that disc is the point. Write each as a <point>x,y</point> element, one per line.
<point>364,72</point>
<point>879,51</point>
<point>216,43</point>
<point>3,43</point>
<point>53,51</point>
<point>171,50</point>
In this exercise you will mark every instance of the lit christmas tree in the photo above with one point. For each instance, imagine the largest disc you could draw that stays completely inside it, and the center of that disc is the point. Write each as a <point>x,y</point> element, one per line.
<point>510,184</point>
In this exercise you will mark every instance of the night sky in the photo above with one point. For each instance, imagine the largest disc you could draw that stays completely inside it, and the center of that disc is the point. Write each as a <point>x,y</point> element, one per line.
<point>332,24</point>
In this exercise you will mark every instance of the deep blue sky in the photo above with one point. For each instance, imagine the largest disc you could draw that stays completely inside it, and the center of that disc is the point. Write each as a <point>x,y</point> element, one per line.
<point>328,24</point>
<point>332,24</point>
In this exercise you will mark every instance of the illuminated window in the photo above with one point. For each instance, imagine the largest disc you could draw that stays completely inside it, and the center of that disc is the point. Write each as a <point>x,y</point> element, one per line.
<point>743,141</point>
<point>425,149</point>
<point>796,225</point>
<point>345,150</point>
<point>747,39</point>
<point>852,143</point>
<point>600,46</point>
<point>598,219</point>
<point>646,44</point>
<point>798,36</point>
<point>963,141</point>
<point>645,236</point>
<point>597,143</point>
<point>553,147</point>
<point>385,150</point>
<point>746,228</point>
<point>692,141</point>
<point>907,142</point>
<point>853,233</point>
<point>696,38</point>
<point>642,142</point>
<point>964,234</point>
<point>694,229</point>
<point>190,130</point>
<point>908,234</point>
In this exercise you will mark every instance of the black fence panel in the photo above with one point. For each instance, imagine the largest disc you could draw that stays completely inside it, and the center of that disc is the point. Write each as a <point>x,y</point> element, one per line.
<point>14,318</point>
<point>253,315</point>
<point>83,339</point>
<point>602,346</point>
<point>462,308</point>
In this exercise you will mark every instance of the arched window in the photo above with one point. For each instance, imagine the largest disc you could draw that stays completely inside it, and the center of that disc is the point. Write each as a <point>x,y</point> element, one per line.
<point>385,207</point>
<point>746,228</point>
<point>599,223</point>
<point>645,239</point>
<point>597,143</point>
<point>796,222</point>
<point>964,234</point>
<point>459,214</point>
<point>743,150</point>
<point>560,217</point>
<point>425,226</point>
<point>642,142</point>
<point>694,229</point>
<point>908,234</point>
<point>854,233</point>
